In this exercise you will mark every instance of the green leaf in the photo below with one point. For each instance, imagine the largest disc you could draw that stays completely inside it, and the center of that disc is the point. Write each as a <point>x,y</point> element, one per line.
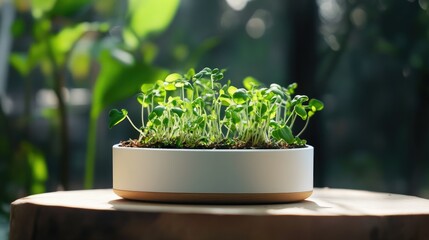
<point>144,100</point>
<point>146,87</point>
<point>228,113</point>
<point>278,92</point>
<point>151,16</point>
<point>299,109</point>
<point>116,81</point>
<point>239,108</point>
<point>300,98</point>
<point>291,88</point>
<point>158,110</point>
<point>116,116</point>
<point>190,73</point>
<point>285,133</point>
<point>188,86</point>
<point>179,84</point>
<point>170,87</point>
<point>250,82</point>
<point>152,116</point>
<point>165,122</point>
<point>276,134</point>
<point>240,96</point>
<point>231,90</point>
<point>225,100</point>
<point>300,142</point>
<point>316,105</point>
<point>218,76</point>
<point>173,77</point>
<point>215,71</point>
<point>157,122</point>
<point>274,124</point>
<point>235,117</point>
<point>140,98</point>
<point>177,111</point>
<point>198,75</point>
<point>263,108</point>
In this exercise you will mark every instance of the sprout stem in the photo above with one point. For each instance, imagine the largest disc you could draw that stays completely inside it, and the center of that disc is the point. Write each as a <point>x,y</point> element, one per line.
<point>142,110</point>
<point>305,126</point>
<point>134,126</point>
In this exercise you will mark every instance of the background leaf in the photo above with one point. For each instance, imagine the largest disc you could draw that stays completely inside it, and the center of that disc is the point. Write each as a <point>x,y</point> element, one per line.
<point>148,17</point>
<point>40,7</point>
<point>63,42</point>
<point>20,62</point>
<point>117,81</point>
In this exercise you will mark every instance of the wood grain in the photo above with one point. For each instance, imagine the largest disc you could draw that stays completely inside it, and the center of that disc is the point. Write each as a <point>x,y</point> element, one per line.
<point>326,214</point>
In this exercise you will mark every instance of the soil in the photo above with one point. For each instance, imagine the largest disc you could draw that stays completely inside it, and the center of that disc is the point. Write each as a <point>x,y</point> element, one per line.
<point>220,145</point>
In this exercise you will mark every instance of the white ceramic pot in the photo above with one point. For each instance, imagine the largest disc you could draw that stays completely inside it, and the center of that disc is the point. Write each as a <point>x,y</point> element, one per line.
<point>213,175</point>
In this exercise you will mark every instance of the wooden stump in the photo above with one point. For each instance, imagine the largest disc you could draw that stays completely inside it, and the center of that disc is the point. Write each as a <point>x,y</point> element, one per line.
<point>327,214</point>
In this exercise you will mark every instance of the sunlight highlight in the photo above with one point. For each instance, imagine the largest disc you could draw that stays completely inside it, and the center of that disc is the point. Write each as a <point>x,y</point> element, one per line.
<point>237,5</point>
<point>255,27</point>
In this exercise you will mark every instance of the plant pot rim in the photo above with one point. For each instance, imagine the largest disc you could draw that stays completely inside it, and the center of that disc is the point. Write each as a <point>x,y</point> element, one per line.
<point>307,147</point>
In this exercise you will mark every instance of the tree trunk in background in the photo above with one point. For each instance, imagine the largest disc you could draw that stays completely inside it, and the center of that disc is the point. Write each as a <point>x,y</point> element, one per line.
<point>64,161</point>
<point>59,86</point>
<point>302,16</point>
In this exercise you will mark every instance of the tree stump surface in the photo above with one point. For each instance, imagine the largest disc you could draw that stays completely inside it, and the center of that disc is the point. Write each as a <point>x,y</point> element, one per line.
<point>327,214</point>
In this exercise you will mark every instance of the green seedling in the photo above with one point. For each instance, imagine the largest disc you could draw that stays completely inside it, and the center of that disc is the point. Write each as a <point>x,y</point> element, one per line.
<point>194,110</point>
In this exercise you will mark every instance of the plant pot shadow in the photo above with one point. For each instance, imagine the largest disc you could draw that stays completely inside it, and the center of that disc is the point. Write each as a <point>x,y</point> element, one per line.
<point>296,208</point>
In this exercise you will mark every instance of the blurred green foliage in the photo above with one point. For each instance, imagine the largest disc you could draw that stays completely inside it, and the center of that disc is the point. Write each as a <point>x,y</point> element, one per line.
<point>124,66</point>
<point>63,42</point>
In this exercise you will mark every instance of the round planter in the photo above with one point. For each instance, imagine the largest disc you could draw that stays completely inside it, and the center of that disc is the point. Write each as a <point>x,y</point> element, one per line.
<point>213,175</point>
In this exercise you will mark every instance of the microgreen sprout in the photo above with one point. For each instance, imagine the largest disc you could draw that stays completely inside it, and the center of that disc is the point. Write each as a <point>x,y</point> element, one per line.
<point>194,110</point>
